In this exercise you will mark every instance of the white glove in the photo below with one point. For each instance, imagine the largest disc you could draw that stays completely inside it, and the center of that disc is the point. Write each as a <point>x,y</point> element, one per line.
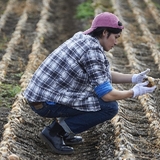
<point>138,78</point>
<point>141,88</point>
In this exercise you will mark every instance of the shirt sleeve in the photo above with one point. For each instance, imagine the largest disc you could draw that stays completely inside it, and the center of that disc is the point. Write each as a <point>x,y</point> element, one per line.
<point>103,89</point>
<point>96,66</point>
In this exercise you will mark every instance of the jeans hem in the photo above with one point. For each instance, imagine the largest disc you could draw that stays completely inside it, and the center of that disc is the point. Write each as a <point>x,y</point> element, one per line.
<point>65,126</point>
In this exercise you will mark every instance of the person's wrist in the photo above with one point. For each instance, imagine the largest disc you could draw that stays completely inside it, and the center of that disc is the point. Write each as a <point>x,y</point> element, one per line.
<point>134,78</point>
<point>131,92</point>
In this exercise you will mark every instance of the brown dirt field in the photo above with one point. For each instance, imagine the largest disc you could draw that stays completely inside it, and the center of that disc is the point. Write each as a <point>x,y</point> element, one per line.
<point>30,30</point>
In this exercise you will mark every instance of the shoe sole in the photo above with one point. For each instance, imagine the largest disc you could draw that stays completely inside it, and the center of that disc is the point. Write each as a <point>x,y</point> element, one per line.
<point>52,147</point>
<point>73,143</point>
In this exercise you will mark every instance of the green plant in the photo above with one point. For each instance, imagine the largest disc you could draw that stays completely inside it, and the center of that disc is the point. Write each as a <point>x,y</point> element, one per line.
<point>7,94</point>
<point>18,75</point>
<point>9,90</point>
<point>85,10</point>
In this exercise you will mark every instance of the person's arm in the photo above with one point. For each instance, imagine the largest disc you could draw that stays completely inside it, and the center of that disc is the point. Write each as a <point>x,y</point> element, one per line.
<point>137,90</point>
<point>117,95</point>
<point>121,78</point>
<point>129,78</point>
<point>108,93</point>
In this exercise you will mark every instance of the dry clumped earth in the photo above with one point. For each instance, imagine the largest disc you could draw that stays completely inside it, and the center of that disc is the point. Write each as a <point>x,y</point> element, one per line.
<point>30,30</point>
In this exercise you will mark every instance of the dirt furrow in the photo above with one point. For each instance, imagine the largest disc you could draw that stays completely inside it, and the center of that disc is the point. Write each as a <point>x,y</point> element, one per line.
<point>153,9</point>
<point>150,31</point>
<point>152,35</point>
<point>132,131</point>
<point>19,46</point>
<point>10,14</point>
<point>26,140</point>
<point>136,63</point>
<point>8,22</point>
<point>3,5</point>
<point>43,25</point>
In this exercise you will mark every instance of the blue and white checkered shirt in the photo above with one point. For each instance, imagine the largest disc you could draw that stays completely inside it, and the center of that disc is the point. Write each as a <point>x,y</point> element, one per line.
<point>70,74</point>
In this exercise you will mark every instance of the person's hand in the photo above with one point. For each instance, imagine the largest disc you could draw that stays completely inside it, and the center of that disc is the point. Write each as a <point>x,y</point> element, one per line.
<point>138,78</point>
<point>141,88</point>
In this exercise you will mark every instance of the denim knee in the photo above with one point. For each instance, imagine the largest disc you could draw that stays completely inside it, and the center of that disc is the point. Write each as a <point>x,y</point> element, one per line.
<point>114,108</point>
<point>110,108</point>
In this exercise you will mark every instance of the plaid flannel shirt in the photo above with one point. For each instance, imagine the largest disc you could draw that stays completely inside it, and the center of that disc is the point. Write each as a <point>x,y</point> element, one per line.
<point>70,74</point>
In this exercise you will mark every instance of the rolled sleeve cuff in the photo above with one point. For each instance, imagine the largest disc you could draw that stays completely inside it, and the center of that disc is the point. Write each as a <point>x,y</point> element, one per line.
<point>103,89</point>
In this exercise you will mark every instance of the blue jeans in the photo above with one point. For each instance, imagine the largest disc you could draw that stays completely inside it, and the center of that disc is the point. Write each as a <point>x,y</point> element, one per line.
<point>75,121</point>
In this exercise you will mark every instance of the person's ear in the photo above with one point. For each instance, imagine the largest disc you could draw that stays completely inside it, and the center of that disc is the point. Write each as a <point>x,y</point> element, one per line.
<point>105,33</point>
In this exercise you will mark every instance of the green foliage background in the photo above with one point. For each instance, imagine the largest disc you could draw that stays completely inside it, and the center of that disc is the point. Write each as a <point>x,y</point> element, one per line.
<point>85,10</point>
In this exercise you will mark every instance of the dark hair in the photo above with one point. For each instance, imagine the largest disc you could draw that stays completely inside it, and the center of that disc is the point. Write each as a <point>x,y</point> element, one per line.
<point>99,31</point>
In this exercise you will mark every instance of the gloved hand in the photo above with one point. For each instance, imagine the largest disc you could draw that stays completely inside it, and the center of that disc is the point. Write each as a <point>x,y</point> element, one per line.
<point>141,88</point>
<point>138,78</point>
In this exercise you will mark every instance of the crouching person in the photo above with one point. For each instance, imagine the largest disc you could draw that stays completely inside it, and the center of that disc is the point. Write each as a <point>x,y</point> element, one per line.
<point>73,84</point>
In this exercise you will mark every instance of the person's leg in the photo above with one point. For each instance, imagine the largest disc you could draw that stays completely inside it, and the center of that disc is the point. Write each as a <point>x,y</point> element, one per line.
<point>83,122</point>
<point>75,121</point>
<point>54,135</point>
<point>69,137</point>
<point>56,110</point>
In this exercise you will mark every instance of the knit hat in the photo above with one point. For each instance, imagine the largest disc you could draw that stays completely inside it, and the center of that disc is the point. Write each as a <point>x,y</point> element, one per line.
<point>104,19</point>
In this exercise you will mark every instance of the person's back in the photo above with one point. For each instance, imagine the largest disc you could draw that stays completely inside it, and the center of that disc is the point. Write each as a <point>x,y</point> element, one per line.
<point>66,75</point>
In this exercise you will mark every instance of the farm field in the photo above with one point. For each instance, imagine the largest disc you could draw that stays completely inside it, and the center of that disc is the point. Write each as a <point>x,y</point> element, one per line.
<point>30,30</point>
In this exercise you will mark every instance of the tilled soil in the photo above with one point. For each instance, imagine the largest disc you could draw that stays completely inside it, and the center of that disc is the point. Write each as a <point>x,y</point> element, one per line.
<point>31,29</point>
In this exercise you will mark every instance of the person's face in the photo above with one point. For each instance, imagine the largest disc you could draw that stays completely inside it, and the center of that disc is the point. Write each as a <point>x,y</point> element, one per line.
<point>108,42</point>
